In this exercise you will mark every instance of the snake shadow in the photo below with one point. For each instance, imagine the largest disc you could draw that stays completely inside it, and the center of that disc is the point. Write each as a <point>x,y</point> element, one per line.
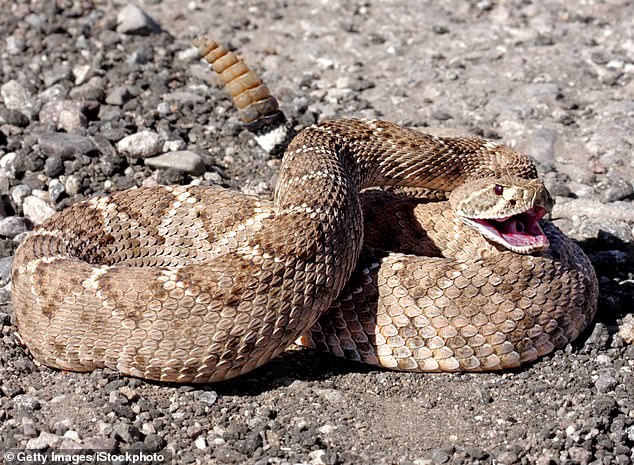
<point>613,261</point>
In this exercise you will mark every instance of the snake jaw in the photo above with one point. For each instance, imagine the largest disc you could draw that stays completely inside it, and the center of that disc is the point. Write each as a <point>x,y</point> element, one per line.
<point>520,233</point>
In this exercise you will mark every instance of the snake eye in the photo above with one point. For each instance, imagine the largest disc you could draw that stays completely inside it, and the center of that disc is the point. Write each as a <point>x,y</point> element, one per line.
<point>498,189</point>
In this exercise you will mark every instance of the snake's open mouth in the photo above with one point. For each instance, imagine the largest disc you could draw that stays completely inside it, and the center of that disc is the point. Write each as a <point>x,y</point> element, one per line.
<point>520,233</point>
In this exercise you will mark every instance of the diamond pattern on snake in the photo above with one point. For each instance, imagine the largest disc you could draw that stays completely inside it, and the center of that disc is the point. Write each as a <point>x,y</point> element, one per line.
<point>382,244</point>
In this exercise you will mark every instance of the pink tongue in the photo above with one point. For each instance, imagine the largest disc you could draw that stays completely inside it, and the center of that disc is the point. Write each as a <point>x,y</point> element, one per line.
<point>513,231</point>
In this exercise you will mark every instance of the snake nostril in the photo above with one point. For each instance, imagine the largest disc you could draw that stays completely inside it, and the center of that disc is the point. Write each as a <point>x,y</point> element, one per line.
<point>512,202</point>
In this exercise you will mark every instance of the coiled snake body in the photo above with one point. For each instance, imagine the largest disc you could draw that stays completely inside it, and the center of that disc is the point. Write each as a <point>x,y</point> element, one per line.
<point>200,284</point>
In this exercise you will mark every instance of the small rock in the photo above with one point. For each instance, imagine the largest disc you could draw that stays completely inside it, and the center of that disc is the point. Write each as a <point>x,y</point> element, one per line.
<point>26,402</point>
<point>16,97</point>
<point>68,115</point>
<point>94,89</point>
<point>15,45</point>
<point>127,433</point>
<point>140,145</point>
<point>56,190</point>
<point>69,444</point>
<point>5,185</point>
<point>183,97</point>
<point>81,73</point>
<point>439,456</point>
<point>53,93</point>
<point>72,435</point>
<point>62,426</point>
<point>507,458</point>
<point>53,166</point>
<point>28,427</point>
<point>580,455</point>
<point>37,210</point>
<point>7,159</point>
<point>97,443</point>
<point>331,395</point>
<point>626,328</point>
<point>188,54</point>
<point>605,382</point>
<point>206,397</point>
<point>14,117</point>
<point>154,442</point>
<point>11,226</point>
<point>43,441</point>
<point>64,146</point>
<point>5,269</point>
<point>182,160</point>
<point>133,20</point>
<point>19,193</point>
<point>200,443</point>
<point>72,186</point>
<point>317,457</point>
<point>174,145</point>
<point>615,188</point>
<point>57,73</point>
<point>118,96</point>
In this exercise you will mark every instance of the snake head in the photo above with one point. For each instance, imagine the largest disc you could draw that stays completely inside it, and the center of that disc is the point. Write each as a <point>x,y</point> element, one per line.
<point>505,211</point>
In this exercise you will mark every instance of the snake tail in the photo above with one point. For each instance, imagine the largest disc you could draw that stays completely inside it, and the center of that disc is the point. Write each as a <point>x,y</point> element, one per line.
<point>258,109</point>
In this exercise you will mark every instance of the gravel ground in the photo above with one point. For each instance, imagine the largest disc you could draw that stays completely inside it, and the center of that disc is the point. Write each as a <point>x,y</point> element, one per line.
<point>90,103</point>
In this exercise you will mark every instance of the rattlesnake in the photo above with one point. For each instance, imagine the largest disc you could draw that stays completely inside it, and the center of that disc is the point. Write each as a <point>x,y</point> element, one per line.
<point>200,284</point>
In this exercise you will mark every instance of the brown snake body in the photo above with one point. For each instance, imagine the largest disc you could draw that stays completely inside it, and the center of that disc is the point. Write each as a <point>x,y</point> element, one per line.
<point>200,284</point>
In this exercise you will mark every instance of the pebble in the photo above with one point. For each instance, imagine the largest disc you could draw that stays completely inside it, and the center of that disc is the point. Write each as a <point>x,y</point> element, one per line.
<point>200,443</point>
<point>618,210</point>
<point>5,269</point>
<point>56,189</point>
<point>53,166</point>
<point>55,74</point>
<point>37,210</point>
<point>11,226</point>
<point>133,20</point>
<point>181,160</point>
<point>143,144</point>
<point>580,455</point>
<point>15,45</point>
<point>43,441</point>
<point>439,456</point>
<point>126,432</point>
<point>72,185</point>
<point>317,457</point>
<point>615,188</point>
<point>64,146</point>
<point>626,328</point>
<point>206,397</point>
<point>68,115</point>
<point>62,426</point>
<point>82,73</point>
<point>16,97</point>
<point>94,89</point>
<point>118,95</point>
<point>29,429</point>
<point>507,458</point>
<point>605,382</point>
<point>14,117</point>
<point>26,402</point>
<point>19,193</point>
<point>174,145</point>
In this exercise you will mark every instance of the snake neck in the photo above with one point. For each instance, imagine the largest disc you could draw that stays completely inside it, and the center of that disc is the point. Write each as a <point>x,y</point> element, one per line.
<point>358,154</point>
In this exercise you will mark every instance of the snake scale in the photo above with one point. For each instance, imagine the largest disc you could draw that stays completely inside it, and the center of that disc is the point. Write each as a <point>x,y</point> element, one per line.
<point>202,284</point>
